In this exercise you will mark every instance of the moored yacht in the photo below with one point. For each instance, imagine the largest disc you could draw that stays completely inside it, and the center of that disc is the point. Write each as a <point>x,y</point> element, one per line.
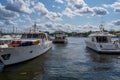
<point>8,38</point>
<point>60,37</point>
<point>102,43</point>
<point>29,46</point>
<point>5,39</point>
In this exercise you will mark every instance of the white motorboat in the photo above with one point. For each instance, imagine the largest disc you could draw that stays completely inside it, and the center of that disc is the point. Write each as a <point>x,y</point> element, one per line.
<point>29,46</point>
<point>5,39</point>
<point>8,38</point>
<point>60,37</point>
<point>102,43</point>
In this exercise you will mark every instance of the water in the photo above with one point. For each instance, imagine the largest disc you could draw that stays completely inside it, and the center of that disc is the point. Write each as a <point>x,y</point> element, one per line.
<point>72,61</point>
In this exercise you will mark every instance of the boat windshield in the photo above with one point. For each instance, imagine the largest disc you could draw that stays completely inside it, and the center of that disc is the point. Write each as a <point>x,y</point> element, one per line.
<point>103,39</point>
<point>4,41</point>
<point>33,35</point>
<point>60,37</point>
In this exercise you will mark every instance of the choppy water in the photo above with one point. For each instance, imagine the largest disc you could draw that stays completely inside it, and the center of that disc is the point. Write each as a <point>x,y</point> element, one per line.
<point>72,61</point>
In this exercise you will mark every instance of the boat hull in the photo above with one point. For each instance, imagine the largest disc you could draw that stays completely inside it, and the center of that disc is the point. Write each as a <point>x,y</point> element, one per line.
<point>99,50</point>
<point>106,52</point>
<point>59,41</point>
<point>10,56</point>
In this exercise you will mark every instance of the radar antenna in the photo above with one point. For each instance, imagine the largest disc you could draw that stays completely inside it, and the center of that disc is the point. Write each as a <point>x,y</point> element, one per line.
<point>101,27</point>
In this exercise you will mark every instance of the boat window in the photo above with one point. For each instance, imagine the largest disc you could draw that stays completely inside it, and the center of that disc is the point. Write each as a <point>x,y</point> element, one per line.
<point>42,36</point>
<point>64,37</point>
<point>32,36</point>
<point>29,35</point>
<point>24,36</point>
<point>102,39</point>
<point>39,36</point>
<point>109,39</point>
<point>1,43</point>
<point>58,37</point>
<point>35,35</point>
<point>92,39</point>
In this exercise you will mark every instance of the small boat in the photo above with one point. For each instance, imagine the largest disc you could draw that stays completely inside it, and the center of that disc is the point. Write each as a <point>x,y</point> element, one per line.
<point>5,39</point>
<point>60,37</point>
<point>101,42</point>
<point>8,38</point>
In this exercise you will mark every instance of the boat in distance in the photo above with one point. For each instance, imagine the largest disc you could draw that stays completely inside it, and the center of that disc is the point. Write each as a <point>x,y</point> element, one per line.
<point>5,39</point>
<point>8,38</point>
<point>60,37</point>
<point>102,43</point>
<point>29,46</point>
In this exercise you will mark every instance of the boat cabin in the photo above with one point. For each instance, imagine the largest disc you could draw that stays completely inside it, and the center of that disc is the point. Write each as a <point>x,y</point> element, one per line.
<point>5,39</point>
<point>29,39</point>
<point>34,36</point>
<point>101,38</point>
<point>60,35</point>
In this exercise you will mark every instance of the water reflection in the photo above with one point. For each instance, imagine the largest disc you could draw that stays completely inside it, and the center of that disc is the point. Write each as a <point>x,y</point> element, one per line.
<point>57,45</point>
<point>101,62</point>
<point>101,58</point>
<point>26,70</point>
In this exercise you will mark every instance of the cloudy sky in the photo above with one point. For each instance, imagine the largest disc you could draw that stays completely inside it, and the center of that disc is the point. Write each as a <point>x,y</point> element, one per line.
<point>66,15</point>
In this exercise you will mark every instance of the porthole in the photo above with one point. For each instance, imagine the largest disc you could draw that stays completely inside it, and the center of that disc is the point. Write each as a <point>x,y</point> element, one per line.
<point>31,51</point>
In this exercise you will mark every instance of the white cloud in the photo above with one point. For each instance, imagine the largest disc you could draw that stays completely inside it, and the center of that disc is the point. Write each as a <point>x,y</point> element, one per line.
<point>58,7</point>
<point>116,22</point>
<point>106,5</point>
<point>84,10</point>
<point>115,6</point>
<point>53,6</point>
<point>19,6</point>
<point>9,22</point>
<point>99,11</point>
<point>80,8</point>
<point>73,8</point>
<point>54,16</point>
<point>32,2</point>
<point>1,24</point>
<point>112,25</point>
<point>89,27</point>
<point>59,1</point>
<point>20,20</point>
<point>49,26</point>
<point>28,18</point>
<point>76,4</point>
<point>42,10</point>
<point>7,14</point>
<point>76,7</point>
<point>68,12</point>
<point>39,7</point>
